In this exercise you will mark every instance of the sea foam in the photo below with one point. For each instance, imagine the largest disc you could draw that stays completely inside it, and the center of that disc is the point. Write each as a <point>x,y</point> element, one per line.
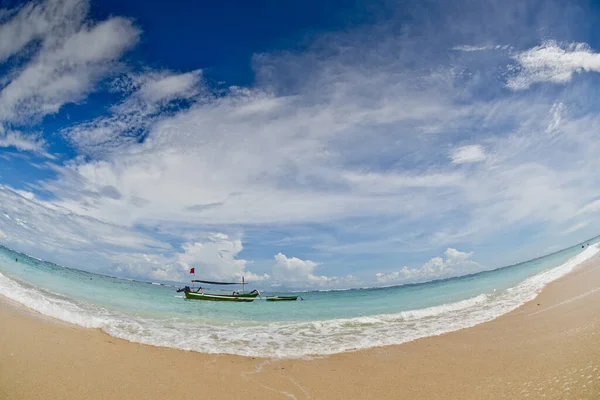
<point>290,339</point>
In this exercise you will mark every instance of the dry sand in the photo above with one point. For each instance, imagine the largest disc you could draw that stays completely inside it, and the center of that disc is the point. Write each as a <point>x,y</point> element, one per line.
<point>546,349</point>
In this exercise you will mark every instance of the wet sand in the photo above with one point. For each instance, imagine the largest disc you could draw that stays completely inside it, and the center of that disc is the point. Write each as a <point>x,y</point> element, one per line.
<point>547,349</point>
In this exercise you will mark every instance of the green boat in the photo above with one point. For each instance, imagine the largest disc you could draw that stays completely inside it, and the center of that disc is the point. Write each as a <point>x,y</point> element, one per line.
<point>198,294</point>
<point>281,298</point>
<point>221,297</point>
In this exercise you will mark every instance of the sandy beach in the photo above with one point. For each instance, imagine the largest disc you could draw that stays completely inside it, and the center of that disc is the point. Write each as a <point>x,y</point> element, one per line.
<point>549,348</point>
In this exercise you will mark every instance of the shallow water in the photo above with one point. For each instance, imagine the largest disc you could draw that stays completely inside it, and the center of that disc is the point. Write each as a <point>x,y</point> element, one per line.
<point>325,323</point>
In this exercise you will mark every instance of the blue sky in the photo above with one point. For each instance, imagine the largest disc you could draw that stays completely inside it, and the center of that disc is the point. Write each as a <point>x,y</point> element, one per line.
<point>313,144</point>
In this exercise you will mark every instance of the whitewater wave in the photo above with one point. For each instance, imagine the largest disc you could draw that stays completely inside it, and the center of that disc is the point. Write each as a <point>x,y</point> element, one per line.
<point>290,339</point>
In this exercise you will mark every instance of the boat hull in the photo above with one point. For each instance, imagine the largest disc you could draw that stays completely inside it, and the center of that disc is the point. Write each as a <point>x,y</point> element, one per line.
<point>221,297</point>
<point>282,298</point>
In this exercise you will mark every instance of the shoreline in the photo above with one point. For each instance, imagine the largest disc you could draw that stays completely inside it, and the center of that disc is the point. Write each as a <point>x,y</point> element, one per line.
<point>302,338</point>
<point>538,344</point>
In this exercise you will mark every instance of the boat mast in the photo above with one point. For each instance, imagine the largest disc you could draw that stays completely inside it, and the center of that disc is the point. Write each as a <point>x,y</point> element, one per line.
<point>243,285</point>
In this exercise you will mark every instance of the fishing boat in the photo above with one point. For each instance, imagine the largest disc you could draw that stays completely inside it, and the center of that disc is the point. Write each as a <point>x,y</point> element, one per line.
<point>192,293</point>
<point>220,297</point>
<point>281,298</point>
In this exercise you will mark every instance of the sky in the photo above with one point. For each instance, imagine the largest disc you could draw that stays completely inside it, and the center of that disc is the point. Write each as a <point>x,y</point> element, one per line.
<point>325,144</point>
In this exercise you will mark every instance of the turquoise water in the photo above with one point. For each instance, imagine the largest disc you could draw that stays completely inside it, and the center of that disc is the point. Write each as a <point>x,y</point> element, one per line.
<point>325,323</point>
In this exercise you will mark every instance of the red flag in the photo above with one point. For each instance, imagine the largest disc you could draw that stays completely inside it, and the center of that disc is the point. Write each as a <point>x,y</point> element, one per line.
<point>192,271</point>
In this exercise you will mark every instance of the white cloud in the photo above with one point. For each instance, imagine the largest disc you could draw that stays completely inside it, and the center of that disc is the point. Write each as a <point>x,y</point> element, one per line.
<point>217,154</point>
<point>468,154</point>
<point>214,256</point>
<point>42,228</point>
<point>170,86</point>
<point>557,113</point>
<point>26,194</point>
<point>146,266</point>
<point>295,272</point>
<point>373,182</point>
<point>24,142</point>
<point>471,48</point>
<point>455,263</point>
<point>553,62</point>
<point>73,57</point>
<point>591,207</point>
<point>293,268</point>
<point>148,94</point>
<point>38,21</point>
<point>576,227</point>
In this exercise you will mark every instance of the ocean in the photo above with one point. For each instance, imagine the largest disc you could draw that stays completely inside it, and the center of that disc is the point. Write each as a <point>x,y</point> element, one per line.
<point>325,322</point>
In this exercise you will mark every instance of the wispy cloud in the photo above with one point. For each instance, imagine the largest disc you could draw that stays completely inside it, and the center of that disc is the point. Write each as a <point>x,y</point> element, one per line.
<point>553,62</point>
<point>39,21</point>
<point>56,233</point>
<point>148,97</point>
<point>591,207</point>
<point>472,48</point>
<point>468,154</point>
<point>24,142</point>
<point>576,227</point>
<point>71,59</point>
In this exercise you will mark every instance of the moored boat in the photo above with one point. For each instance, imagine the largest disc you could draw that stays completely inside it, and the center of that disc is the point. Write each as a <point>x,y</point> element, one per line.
<point>281,298</point>
<point>220,297</point>
<point>199,294</point>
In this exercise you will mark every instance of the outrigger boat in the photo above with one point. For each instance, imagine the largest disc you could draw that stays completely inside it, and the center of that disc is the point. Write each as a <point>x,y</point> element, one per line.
<point>198,294</point>
<point>220,297</point>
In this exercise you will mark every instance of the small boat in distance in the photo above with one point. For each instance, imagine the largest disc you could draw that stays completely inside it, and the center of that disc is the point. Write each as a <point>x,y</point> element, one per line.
<point>282,298</point>
<point>192,293</point>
